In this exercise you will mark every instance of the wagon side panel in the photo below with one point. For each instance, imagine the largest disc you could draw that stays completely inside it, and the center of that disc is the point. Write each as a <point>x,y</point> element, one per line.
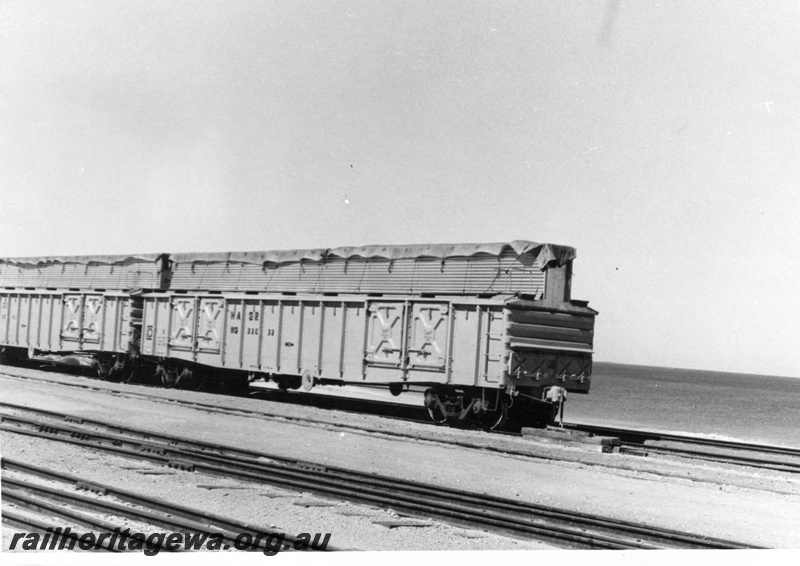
<point>251,335</point>
<point>334,321</point>
<point>5,317</point>
<point>156,326</point>
<point>270,335</point>
<point>311,337</point>
<point>354,341</point>
<point>289,335</point>
<point>466,359</point>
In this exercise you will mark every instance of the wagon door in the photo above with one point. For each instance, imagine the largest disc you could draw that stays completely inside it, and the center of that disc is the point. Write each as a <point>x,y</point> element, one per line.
<point>385,342</point>
<point>182,337</point>
<point>72,322</point>
<point>211,325</point>
<point>210,330</point>
<point>92,322</point>
<point>427,342</point>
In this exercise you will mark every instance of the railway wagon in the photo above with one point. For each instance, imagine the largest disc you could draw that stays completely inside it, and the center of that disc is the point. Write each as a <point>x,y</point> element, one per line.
<point>484,330</point>
<point>66,304</point>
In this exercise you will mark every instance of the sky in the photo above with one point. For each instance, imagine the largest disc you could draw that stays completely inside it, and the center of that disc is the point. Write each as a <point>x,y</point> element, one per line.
<point>660,139</point>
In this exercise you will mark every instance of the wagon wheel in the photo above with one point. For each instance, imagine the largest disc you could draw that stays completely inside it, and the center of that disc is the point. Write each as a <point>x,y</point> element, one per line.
<point>436,409</point>
<point>493,420</point>
<point>106,369</point>
<point>193,379</point>
<point>308,381</point>
<point>437,415</point>
<point>9,356</point>
<point>169,375</point>
<point>434,406</point>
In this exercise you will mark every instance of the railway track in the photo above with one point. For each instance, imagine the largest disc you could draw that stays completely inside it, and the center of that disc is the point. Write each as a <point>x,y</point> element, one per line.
<point>434,434</point>
<point>632,441</point>
<point>263,414</point>
<point>461,508</point>
<point>770,457</point>
<point>105,507</point>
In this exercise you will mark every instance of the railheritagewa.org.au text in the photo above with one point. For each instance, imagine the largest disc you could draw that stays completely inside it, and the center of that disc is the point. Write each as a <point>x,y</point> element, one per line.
<point>153,543</point>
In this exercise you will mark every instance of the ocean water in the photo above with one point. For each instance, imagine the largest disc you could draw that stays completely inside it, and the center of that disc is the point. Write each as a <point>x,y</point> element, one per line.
<point>753,408</point>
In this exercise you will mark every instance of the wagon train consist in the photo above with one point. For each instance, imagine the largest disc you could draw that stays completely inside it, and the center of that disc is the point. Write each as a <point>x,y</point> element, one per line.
<point>484,330</point>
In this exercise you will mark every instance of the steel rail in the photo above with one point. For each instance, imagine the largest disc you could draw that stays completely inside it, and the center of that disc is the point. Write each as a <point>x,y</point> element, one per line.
<point>333,487</point>
<point>451,505</point>
<point>265,415</point>
<point>759,463</point>
<point>198,456</point>
<point>639,436</point>
<point>635,438</point>
<point>46,506</point>
<point>790,467</point>
<point>151,511</point>
<point>629,437</point>
<point>33,525</point>
<point>478,444</point>
<point>44,497</point>
<point>626,434</point>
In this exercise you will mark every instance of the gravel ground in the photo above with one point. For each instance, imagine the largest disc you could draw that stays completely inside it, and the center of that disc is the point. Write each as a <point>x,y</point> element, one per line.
<point>122,523</point>
<point>351,526</point>
<point>351,423</point>
<point>756,507</point>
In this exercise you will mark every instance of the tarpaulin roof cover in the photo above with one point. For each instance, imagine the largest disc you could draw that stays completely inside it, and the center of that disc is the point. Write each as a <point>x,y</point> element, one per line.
<point>275,256</point>
<point>80,259</point>
<point>544,253</point>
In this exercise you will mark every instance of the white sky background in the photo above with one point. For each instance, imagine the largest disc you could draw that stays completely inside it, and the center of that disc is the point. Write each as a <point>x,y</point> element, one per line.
<point>659,139</point>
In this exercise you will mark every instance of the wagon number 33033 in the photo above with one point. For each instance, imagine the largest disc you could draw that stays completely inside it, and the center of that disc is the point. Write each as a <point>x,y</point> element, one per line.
<point>254,331</point>
<point>252,317</point>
